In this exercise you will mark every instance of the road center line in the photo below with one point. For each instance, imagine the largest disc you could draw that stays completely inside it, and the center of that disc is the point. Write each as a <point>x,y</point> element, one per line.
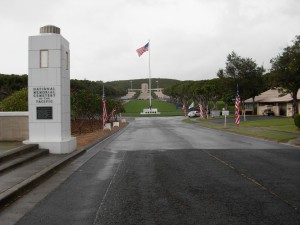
<point>107,190</point>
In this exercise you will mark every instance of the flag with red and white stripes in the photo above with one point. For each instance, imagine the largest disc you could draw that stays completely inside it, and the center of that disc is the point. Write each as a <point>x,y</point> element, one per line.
<point>201,110</point>
<point>207,111</point>
<point>104,113</point>
<point>111,115</point>
<point>184,109</point>
<point>237,108</point>
<point>143,49</point>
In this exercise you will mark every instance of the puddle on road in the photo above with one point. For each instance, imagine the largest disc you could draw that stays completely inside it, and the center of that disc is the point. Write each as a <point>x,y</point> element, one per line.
<point>107,171</point>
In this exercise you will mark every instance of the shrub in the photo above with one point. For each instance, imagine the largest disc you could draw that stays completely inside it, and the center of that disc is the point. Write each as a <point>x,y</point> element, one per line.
<point>297,120</point>
<point>16,102</point>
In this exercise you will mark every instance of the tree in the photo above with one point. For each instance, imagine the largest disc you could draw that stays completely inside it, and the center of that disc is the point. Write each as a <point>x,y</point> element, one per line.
<point>85,105</point>
<point>244,73</point>
<point>112,104</point>
<point>181,91</point>
<point>286,70</point>
<point>202,91</point>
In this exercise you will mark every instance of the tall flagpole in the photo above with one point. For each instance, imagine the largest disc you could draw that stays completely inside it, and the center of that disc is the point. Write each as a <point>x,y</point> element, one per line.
<point>150,105</point>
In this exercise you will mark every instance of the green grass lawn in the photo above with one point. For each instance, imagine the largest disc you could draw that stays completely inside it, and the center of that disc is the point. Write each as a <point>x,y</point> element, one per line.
<point>281,130</point>
<point>283,125</point>
<point>135,107</point>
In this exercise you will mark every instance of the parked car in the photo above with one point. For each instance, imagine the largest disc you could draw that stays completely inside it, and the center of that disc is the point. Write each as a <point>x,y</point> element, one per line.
<point>268,112</point>
<point>193,114</point>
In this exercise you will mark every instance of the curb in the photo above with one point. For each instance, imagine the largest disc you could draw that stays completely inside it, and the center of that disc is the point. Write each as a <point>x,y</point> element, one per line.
<point>10,195</point>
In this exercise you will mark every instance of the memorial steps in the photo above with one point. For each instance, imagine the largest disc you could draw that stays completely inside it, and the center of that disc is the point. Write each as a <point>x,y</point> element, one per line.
<point>23,168</point>
<point>20,157</point>
<point>129,95</point>
<point>144,96</point>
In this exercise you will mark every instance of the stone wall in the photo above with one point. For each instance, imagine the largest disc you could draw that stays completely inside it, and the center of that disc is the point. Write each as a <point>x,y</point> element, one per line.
<point>14,126</point>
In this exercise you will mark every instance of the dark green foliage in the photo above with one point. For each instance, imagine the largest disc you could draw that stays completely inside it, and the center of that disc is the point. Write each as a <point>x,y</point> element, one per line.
<point>244,73</point>
<point>11,83</point>
<point>285,70</point>
<point>297,120</point>
<point>96,87</point>
<point>85,104</point>
<point>16,102</point>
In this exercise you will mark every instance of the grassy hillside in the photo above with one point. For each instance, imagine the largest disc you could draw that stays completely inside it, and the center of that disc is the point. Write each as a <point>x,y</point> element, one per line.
<point>135,107</point>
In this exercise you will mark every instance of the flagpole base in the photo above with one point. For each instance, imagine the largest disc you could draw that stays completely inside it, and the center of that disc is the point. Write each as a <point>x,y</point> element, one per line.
<point>150,111</point>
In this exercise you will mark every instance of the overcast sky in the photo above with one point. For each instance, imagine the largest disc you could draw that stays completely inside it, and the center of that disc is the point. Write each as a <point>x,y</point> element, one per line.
<point>189,39</point>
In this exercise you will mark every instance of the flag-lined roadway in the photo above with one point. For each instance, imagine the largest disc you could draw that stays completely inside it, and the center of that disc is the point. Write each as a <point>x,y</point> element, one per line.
<point>164,171</point>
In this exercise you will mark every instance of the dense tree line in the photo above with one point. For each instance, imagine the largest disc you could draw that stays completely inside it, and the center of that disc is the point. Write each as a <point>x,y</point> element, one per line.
<point>86,97</point>
<point>114,89</point>
<point>245,76</point>
<point>96,87</point>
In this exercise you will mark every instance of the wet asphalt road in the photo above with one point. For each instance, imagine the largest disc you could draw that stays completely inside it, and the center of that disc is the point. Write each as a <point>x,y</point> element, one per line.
<point>163,171</point>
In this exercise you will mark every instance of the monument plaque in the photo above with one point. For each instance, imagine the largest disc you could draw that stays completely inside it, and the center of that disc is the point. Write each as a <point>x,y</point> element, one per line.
<point>44,113</point>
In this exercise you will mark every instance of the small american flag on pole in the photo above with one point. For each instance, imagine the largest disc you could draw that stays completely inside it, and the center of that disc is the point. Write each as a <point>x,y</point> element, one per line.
<point>201,110</point>
<point>184,109</point>
<point>207,111</point>
<point>112,115</point>
<point>237,107</point>
<point>143,49</point>
<point>104,113</point>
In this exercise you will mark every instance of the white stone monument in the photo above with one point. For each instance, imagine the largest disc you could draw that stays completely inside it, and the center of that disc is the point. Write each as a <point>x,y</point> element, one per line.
<point>49,91</point>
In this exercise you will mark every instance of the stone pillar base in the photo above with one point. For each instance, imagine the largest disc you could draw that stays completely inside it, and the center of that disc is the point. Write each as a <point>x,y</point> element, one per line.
<point>60,147</point>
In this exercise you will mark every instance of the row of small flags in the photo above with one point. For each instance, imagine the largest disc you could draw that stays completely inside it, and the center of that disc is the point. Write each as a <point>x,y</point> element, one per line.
<point>236,106</point>
<point>106,117</point>
<point>192,105</point>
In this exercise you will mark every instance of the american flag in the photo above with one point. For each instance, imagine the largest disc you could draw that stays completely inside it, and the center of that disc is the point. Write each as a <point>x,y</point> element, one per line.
<point>143,49</point>
<point>184,109</point>
<point>237,108</point>
<point>112,114</point>
<point>104,113</point>
<point>207,111</point>
<point>201,110</point>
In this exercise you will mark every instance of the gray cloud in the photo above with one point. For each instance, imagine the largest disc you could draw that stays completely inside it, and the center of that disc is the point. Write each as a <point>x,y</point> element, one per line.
<point>189,39</point>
